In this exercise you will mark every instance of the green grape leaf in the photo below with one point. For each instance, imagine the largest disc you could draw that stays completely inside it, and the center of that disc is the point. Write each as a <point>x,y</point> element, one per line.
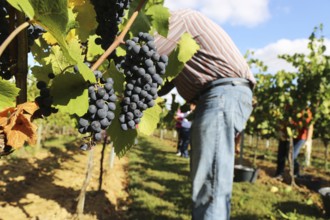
<point>8,94</point>
<point>23,6</point>
<point>70,93</point>
<point>174,66</point>
<point>122,140</point>
<point>41,72</point>
<point>150,119</point>
<point>160,18</point>
<point>54,16</point>
<point>39,50</point>
<point>86,72</point>
<point>141,24</point>
<point>149,4</point>
<point>86,19</point>
<point>75,50</point>
<point>188,47</point>
<point>184,51</point>
<point>117,77</point>
<point>94,50</point>
<point>56,59</point>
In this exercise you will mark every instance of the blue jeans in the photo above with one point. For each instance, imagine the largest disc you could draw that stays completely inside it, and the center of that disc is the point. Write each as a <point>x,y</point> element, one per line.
<point>283,153</point>
<point>220,114</point>
<point>185,140</point>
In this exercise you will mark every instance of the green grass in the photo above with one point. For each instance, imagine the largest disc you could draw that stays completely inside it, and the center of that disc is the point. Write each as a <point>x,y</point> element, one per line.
<point>159,188</point>
<point>257,201</point>
<point>158,181</point>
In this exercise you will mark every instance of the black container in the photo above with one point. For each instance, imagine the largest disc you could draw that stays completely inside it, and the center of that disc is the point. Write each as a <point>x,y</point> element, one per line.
<point>325,194</point>
<point>245,174</point>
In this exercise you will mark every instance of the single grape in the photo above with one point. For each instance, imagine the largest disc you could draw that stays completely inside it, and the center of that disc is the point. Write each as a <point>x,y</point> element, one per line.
<point>41,85</point>
<point>98,136</point>
<point>101,113</point>
<point>83,122</point>
<point>51,75</point>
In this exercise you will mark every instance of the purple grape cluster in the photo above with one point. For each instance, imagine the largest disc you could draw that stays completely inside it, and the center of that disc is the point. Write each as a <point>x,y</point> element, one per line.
<point>108,15</point>
<point>34,32</point>
<point>101,109</point>
<point>143,68</point>
<point>5,62</point>
<point>45,100</point>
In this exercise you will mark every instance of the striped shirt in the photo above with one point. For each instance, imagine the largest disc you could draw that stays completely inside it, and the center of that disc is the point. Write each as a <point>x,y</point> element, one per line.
<point>218,56</point>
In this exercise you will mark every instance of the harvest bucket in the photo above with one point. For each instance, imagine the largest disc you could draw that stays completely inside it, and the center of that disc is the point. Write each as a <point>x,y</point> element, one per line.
<point>245,174</point>
<point>325,194</point>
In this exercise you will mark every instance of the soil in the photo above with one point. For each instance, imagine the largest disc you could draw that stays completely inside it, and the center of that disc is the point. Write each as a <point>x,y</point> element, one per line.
<point>47,185</point>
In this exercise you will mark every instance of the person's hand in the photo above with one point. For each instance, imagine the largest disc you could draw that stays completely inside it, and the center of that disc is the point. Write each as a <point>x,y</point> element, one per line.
<point>237,144</point>
<point>237,149</point>
<point>192,107</point>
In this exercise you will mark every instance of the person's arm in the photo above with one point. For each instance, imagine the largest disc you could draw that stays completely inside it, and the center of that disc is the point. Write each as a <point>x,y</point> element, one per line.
<point>237,143</point>
<point>310,132</point>
<point>166,88</point>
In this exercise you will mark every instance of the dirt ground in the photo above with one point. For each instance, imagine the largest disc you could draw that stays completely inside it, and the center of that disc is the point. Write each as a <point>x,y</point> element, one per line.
<point>45,186</point>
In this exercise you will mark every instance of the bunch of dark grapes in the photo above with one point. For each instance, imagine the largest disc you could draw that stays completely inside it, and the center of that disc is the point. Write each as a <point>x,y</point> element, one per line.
<point>33,32</point>
<point>45,100</point>
<point>109,15</point>
<point>101,109</point>
<point>5,62</point>
<point>143,68</point>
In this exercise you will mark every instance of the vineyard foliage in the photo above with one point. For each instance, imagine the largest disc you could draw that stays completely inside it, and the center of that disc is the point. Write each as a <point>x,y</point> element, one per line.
<point>68,44</point>
<point>284,98</point>
<point>68,49</point>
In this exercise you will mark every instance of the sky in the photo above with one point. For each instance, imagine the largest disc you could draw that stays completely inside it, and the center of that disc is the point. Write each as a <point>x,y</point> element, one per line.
<point>267,27</point>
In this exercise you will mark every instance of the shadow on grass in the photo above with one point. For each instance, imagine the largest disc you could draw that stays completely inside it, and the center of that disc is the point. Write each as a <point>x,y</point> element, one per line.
<point>245,217</point>
<point>159,182</point>
<point>304,209</point>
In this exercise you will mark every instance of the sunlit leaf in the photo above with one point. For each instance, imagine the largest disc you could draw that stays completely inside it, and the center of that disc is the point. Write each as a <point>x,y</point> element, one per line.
<point>184,51</point>
<point>8,94</point>
<point>93,50</point>
<point>23,6</point>
<point>86,19</point>
<point>150,119</point>
<point>160,18</point>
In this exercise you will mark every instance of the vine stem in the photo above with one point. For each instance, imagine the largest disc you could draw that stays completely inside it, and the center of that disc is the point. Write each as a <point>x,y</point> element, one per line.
<point>119,38</point>
<point>12,36</point>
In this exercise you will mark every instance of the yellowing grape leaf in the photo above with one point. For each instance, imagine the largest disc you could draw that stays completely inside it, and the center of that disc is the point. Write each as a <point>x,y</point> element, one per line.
<point>4,116</point>
<point>54,16</point>
<point>17,125</point>
<point>49,38</point>
<point>22,131</point>
<point>85,16</point>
